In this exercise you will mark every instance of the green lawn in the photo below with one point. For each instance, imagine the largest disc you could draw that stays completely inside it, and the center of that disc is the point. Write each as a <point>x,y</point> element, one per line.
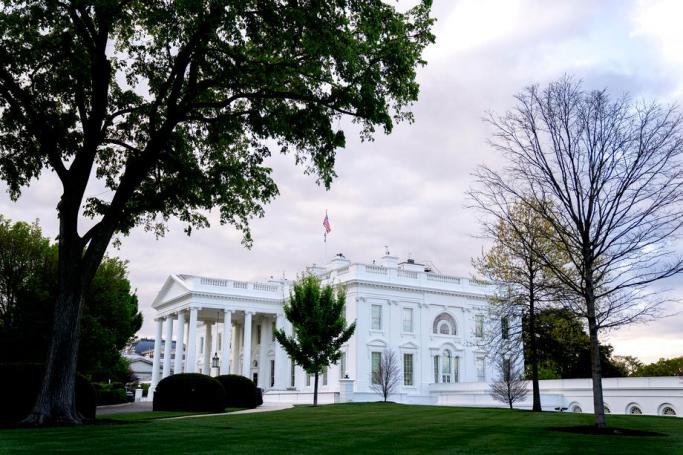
<point>355,428</point>
<point>151,415</point>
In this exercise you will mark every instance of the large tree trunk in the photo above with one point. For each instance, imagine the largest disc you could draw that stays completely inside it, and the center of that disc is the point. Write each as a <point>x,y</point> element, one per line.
<point>533,352</point>
<point>56,401</point>
<point>596,368</point>
<point>315,391</point>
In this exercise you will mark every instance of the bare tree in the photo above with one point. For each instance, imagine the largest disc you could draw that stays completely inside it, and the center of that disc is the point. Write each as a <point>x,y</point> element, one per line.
<point>510,387</point>
<point>386,375</point>
<point>611,172</point>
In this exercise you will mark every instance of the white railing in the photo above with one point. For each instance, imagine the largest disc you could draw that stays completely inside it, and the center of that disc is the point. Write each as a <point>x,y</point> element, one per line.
<point>376,269</point>
<point>213,282</point>
<point>443,278</point>
<point>342,270</point>
<point>407,274</point>
<point>265,287</point>
<point>239,284</point>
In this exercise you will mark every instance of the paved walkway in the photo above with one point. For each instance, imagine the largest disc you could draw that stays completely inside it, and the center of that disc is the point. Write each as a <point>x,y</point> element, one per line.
<point>140,406</point>
<point>265,407</point>
<point>144,406</point>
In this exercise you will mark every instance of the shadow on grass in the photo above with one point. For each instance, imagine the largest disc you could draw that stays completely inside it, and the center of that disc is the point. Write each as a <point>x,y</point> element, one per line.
<point>609,431</point>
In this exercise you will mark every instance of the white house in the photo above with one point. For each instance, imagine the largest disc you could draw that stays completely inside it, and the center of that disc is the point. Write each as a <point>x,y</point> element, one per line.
<point>433,322</point>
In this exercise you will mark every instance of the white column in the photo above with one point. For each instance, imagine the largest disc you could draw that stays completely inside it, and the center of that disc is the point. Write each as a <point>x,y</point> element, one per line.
<point>236,337</point>
<point>179,344</point>
<point>246,346</point>
<point>191,355</point>
<point>168,343</point>
<point>282,362</point>
<point>264,363</point>
<point>207,348</point>
<point>157,355</point>
<point>225,341</point>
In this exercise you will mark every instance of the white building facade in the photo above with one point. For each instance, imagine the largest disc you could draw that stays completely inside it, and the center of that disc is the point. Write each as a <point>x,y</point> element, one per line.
<point>434,324</point>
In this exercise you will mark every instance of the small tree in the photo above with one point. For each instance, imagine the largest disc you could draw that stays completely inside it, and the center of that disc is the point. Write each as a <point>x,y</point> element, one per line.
<point>386,376</point>
<point>317,316</point>
<point>510,387</point>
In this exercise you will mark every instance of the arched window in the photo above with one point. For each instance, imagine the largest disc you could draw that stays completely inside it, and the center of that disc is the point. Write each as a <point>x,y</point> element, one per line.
<point>444,324</point>
<point>667,410</point>
<point>607,409</point>
<point>634,409</point>
<point>576,408</point>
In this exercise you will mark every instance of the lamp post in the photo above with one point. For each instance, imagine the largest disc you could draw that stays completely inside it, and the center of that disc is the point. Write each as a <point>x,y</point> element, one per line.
<point>215,361</point>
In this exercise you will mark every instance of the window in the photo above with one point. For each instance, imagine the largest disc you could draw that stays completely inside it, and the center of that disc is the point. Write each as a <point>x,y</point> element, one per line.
<point>292,374</point>
<point>444,324</point>
<point>456,369</point>
<point>479,325</point>
<point>635,410</point>
<point>505,327</point>
<point>342,366</point>
<point>481,372</point>
<point>408,369</point>
<point>436,369</point>
<point>201,345</point>
<point>308,379</point>
<point>576,408</point>
<point>272,373</point>
<point>446,366</point>
<point>375,367</point>
<point>258,334</point>
<point>408,320</point>
<point>220,340</point>
<point>668,411</point>
<point>325,376</point>
<point>376,317</point>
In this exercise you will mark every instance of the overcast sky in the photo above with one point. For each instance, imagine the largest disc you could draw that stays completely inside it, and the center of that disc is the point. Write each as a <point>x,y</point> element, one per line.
<point>407,190</point>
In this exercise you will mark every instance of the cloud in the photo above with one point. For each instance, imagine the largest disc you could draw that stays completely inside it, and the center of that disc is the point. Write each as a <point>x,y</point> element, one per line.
<point>407,190</point>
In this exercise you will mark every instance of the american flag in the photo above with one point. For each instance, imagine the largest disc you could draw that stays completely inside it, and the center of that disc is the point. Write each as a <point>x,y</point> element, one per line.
<point>326,225</point>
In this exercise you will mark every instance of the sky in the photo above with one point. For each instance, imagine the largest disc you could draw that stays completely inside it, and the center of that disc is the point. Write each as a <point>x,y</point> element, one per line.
<point>407,190</point>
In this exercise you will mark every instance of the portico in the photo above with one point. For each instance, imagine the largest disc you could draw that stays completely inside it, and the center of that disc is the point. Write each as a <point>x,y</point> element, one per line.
<point>207,323</point>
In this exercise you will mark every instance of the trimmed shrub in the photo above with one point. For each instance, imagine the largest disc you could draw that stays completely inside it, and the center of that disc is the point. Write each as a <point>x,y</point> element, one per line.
<point>20,384</point>
<point>114,393</point>
<point>240,392</point>
<point>189,392</point>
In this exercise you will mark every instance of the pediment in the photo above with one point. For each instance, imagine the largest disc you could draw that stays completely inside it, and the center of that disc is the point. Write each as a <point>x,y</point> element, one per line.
<point>173,287</point>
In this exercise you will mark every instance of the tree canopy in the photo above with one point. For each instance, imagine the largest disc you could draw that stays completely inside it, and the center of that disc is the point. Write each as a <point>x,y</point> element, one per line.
<point>173,108</point>
<point>28,286</point>
<point>662,367</point>
<point>316,313</point>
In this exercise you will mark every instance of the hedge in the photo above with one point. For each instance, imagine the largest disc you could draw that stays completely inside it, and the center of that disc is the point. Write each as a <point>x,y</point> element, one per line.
<point>20,384</point>
<point>189,392</point>
<point>240,392</point>
<point>114,393</point>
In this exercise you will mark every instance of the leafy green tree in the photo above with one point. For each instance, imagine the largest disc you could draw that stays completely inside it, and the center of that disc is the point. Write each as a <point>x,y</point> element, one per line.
<point>28,287</point>
<point>627,363</point>
<point>662,367</point>
<point>527,284</point>
<point>319,327</point>
<point>174,107</point>
<point>564,347</point>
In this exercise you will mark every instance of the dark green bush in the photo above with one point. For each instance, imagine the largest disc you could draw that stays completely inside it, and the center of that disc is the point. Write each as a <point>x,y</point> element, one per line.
<point>113,393</point>
<point>240,392</point>
<point>20,383</point>
<point>189,392</point>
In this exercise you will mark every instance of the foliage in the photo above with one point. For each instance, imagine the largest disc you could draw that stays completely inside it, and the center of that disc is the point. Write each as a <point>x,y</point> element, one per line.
<point>28,273</point>
<point>388,375</point>
<point>20,383</point>
<point>189,392</point>
<point>316,313</point>
<point>627,363</point>
<point>564,347</point>
<point>106,393</point>
<point>175,107</point>
<point>240,392</point>
<point>662,367</point>
<point>510,386</point>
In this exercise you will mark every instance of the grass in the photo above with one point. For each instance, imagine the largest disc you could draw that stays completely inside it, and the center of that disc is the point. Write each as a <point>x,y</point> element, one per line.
<point>356,428</point>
